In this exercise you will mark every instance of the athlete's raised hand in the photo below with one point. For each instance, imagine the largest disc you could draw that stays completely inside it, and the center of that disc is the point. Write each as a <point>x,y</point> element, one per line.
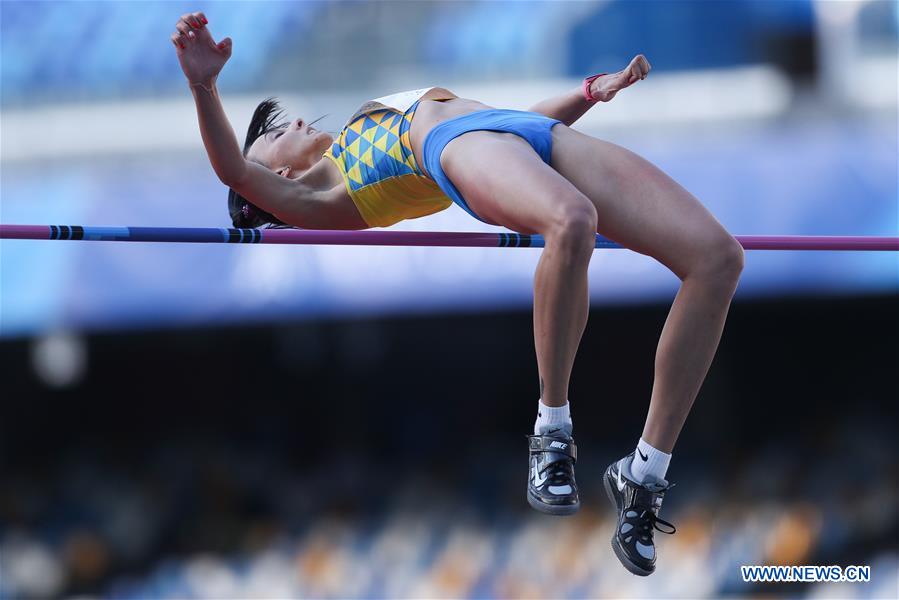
<point>200,57</point>
<point>604,88</point>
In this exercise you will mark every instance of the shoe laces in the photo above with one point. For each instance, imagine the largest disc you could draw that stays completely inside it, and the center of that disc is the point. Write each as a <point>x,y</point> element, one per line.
<point>648,503</point>
<point>560,472</point>
<point>650,521</point>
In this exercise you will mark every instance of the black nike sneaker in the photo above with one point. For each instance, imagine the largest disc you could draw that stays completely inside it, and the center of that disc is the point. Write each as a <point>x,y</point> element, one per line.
<point>551,485</point>
<point>638,516</point>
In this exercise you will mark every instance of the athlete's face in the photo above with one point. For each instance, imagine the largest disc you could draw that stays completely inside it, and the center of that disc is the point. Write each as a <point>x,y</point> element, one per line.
<point>297,145</point>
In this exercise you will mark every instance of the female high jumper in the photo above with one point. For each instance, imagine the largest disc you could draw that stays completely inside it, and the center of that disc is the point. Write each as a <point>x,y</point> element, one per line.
<point>415,153</point>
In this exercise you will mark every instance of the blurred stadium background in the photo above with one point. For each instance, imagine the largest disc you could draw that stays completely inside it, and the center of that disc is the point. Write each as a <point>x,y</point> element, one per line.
<point>220,422</point>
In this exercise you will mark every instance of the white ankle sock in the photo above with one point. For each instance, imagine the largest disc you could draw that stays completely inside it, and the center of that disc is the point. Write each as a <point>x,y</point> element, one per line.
<point>651,468</point>
<point>553,417</point>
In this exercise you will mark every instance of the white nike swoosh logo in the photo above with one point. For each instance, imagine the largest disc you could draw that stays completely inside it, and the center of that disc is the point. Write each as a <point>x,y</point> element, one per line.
<point>618,481</point>
<point>537,479</point>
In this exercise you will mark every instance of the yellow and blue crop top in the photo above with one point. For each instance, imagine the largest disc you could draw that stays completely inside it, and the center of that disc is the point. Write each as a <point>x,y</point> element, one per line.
<point>374,155</point>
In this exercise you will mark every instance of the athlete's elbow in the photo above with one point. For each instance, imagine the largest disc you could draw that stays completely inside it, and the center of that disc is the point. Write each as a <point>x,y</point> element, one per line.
<point>231,180</point>
<point>232,176</point>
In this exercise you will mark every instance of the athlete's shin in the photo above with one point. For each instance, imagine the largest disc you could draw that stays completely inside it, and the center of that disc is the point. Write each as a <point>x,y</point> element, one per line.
<point>561,305</point>
<point>685,351</point>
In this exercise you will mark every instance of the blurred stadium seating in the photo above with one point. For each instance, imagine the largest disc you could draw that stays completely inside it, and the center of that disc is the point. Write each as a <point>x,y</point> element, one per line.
<point>250,526</point>
<point>356,471</point>
<point>90,50</point>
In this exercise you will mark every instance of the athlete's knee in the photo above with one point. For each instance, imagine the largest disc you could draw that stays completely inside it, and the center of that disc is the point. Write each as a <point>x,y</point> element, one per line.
<point>572,226</point>
<point>722,259</point>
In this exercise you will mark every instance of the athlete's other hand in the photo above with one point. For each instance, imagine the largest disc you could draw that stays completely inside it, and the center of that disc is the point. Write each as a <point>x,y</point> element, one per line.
<point>200,57</point>
<point>604,88</point>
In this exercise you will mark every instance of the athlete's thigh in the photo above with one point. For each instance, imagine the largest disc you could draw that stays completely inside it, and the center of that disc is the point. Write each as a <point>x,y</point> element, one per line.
<point>637,204</point>
<point>505,182</point>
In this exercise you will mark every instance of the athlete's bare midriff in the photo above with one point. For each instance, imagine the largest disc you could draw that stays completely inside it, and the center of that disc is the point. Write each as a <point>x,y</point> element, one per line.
<point>431,113</point>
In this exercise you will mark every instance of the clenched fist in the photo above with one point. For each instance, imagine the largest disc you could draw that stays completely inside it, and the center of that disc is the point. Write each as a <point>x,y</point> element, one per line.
<point>604,88</point>
<point>200,57</point>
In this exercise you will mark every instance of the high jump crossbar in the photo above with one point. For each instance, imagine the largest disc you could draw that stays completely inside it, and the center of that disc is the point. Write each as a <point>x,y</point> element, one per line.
<point>216,235</point>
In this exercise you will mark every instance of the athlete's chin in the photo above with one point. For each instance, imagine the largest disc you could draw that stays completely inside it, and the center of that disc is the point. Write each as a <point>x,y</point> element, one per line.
<point>323,140</point>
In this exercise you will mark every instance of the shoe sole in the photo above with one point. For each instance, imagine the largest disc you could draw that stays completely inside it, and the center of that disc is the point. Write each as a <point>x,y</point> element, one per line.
<point>616,546</point>
<point>559,510</point>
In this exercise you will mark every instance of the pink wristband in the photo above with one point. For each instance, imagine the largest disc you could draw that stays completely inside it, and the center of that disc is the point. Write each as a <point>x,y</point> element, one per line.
<point>586,87</point>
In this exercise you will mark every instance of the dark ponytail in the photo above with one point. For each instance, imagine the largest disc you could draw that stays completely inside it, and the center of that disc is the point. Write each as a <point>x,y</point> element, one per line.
<point>245,215</point>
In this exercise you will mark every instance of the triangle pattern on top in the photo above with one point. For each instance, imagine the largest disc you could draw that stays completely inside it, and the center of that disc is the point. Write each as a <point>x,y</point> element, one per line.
<point>375,147</point>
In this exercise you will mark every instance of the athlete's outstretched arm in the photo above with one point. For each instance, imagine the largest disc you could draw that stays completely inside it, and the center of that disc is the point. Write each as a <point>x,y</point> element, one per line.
<point>201,60</point>
<point>571,106</point>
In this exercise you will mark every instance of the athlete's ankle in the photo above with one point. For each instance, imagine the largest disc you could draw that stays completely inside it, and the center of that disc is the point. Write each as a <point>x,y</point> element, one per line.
<point>649,464</point>
<point>550,418</point>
